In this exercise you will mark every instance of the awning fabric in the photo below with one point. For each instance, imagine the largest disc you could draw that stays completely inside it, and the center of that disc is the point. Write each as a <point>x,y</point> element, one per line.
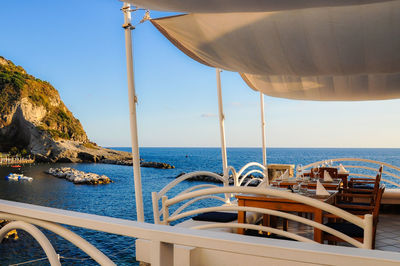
<point>223,6</point>
<point>328,53</point>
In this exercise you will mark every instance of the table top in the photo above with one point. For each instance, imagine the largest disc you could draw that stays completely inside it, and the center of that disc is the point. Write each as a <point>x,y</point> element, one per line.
<point>335,183</point>
<point>312,194</point>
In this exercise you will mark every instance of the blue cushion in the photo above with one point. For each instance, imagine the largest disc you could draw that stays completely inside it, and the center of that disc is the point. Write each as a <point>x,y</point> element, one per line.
<point>219,217</point>
<point>363,186</point>
<point>349,229</point>
<point>250,232</point>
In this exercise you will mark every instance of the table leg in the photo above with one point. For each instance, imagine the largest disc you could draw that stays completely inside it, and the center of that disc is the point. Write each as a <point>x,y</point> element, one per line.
<point>318,232</point>
<point>241,219</point>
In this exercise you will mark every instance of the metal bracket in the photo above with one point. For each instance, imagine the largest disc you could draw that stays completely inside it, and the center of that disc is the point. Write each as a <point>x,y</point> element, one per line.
<point>128,26</point>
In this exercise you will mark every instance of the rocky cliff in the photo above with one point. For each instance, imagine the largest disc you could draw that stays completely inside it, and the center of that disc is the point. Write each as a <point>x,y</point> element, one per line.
<point>33,118</point>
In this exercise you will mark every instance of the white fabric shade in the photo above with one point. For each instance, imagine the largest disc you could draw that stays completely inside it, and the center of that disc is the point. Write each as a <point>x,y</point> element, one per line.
<point>330,53</point>
<point>328,88</point>
<point>221,6</point>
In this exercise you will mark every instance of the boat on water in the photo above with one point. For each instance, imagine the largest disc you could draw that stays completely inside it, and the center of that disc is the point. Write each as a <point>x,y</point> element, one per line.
<point>18,177</point>
<point>303,61</point>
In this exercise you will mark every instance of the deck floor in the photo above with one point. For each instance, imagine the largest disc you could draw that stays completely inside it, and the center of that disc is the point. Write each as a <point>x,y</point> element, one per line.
<point>388,232</point>
<point>387,235</point>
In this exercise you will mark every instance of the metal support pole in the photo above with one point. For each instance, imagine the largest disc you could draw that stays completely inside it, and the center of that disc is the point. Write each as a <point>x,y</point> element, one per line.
<point>264,144</point>
<point>221,123</point>
<point>132,112</point>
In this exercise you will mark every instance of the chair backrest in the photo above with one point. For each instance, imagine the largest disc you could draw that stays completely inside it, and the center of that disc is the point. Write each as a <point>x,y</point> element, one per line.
<point>333,172</point>
<point>378,180</point>
<point>378,199</point>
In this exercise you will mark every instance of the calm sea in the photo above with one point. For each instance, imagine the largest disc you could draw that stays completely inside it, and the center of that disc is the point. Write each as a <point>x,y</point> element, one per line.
<point>118,199</point>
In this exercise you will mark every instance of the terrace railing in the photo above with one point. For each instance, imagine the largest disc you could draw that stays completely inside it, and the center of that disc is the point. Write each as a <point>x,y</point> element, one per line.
<point>166,245</point>
<point>240,178</point>
<point>365,223</point>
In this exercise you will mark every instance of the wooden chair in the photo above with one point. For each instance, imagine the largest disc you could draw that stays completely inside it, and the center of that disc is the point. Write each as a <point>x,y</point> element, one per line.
<point>366,183</point>
<point>353,230</point>
<point>361,188</point>
<point>333,172</point>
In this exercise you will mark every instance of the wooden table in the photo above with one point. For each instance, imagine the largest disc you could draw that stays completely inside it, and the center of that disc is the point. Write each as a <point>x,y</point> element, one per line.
<point>342,176</point>
<point>312,184</point>
<point>282,204</point>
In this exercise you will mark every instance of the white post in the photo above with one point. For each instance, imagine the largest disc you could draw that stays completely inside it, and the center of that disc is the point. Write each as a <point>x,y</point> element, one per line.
<point>264,145</point>
<point>368,231</point>
<point>132,111</point>
<point>221,123</point>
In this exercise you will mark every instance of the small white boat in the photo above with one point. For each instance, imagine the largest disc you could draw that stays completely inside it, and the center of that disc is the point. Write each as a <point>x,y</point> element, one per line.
<point>18,177</point>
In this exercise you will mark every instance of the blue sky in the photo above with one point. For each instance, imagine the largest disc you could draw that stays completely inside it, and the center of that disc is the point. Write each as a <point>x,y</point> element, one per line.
<point>78,46</point>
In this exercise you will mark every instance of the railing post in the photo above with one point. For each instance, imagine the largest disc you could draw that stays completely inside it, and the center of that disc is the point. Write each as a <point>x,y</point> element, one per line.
<point>162,253</point>
<point>156,208</point>
<point>368,231</point>
<point>182,255</point>
<point>165,210</point>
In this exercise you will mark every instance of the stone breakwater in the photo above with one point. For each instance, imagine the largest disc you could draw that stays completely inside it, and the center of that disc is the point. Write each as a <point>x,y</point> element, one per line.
<point>79,177</point>
<point>211,179</point>
<point>157,165</point>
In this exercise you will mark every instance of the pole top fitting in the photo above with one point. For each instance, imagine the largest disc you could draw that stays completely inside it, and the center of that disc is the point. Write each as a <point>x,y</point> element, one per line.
<point>128,26</point>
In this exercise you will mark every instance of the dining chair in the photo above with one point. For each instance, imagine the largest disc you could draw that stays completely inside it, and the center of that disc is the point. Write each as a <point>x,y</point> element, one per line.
<point>333,172</point>
<point>361,191</point>
<point>353,230</point>
<point>366,183</point>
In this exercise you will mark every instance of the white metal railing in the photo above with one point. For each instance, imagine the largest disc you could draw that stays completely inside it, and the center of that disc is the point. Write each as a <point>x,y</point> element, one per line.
<point>156,196</point>
<point>234,247</point>
<point>36,234</point>
<point>395,174</point>
<point>365,224</point>
<point>239,179</point>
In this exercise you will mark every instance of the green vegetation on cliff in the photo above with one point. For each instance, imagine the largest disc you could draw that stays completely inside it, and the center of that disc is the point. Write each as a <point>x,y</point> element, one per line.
<point>16,84</point>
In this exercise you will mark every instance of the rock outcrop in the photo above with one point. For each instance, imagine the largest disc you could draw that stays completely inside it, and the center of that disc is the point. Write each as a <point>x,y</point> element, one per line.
<point>210,179</point>
<point>34,118</point>
<point>79,177</point>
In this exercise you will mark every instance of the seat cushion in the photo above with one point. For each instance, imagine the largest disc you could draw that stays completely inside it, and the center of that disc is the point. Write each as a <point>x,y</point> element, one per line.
<point>349,229</point>
<point>355,203</point>
<point>250,232</point>
<point>219,217</point>
<point>363,186</point>
<point>349,206</point>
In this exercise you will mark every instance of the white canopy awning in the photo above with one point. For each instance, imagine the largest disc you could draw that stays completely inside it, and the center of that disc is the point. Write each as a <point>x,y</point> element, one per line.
<point>222,6</point>
<point>329,53</point>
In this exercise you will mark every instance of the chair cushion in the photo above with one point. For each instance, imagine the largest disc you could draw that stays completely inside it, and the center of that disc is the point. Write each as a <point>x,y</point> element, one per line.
<point>250,232</point>
<point>363,186</point>
<point>219,217</point>
<point>349,229</point>
<point>354,203</point>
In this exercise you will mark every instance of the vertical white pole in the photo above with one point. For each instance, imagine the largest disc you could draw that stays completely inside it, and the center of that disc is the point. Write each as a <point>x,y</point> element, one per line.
<point>264,145</point>
<point>221,123</point>
<point>132,112</point>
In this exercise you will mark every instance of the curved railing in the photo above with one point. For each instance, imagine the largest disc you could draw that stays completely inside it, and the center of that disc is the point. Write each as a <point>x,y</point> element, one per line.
<point>156,196</point>
<point>36,234</point>
<point>239,179</point>
<point>365,224</point>
<point>70,236</point>
<point>154,242</point>
<point>394,174</point>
